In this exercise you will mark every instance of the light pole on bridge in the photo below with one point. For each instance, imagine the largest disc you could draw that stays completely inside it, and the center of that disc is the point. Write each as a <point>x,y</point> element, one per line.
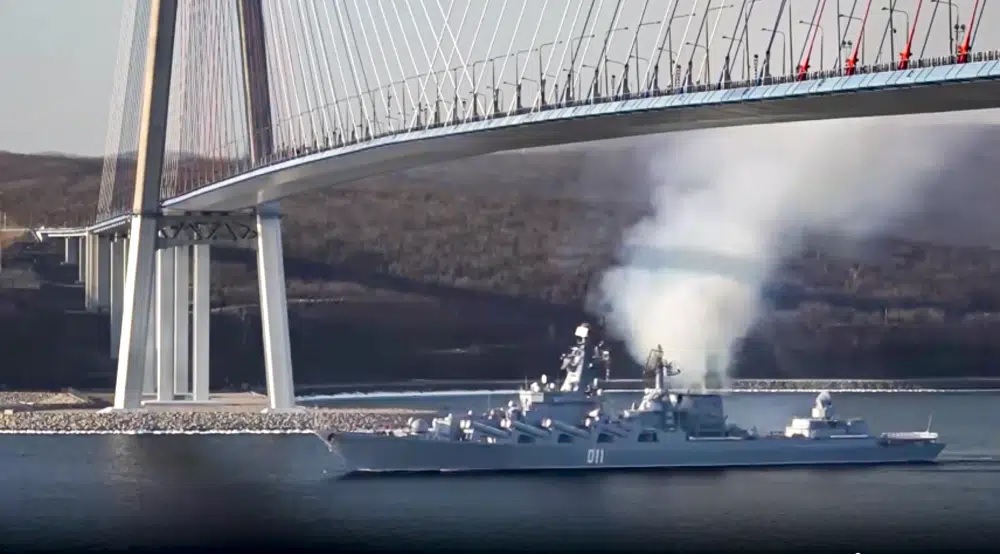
<point>668,46</point>
<point>634,54</point>
<point>822,41</point>
<point>952,27</point>
<point>906,15</point>
<point>849,43</point>
<point>568,90</point>
<point>784,46</point>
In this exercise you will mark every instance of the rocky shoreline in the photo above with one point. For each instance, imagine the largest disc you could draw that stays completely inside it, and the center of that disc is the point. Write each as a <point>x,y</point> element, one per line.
<point>57,413</point>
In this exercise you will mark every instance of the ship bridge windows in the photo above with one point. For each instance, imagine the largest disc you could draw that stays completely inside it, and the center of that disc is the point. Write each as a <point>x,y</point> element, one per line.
<point>648,436</point>
<point>604,437</point>
<point>564,438</point>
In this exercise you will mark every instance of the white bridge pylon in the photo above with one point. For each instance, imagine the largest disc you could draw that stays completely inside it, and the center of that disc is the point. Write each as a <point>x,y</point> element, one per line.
<point>163,342</point>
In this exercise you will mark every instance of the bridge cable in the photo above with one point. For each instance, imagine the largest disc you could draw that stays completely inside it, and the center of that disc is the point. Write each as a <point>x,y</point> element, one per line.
<point>216,121</point>
<point>978,25</point>
<point>374,67</point>
<point>586,50</point>
<point>661,43</point>
<point>307,53</point>
<point>329,100</point>
<point>728,61</point>
<point>236,105</point>
<point>421,91</point>
<point>705,62</point>
<point>851,64</point>
<point>432,61</point>
<point>930,27</point>
<point>404,80</point>
<point>116,111</point>
<point>697,39</point>
<point>743,55</point>
<point>288,76</point>
<point>127,124</point>
<point>531,48</point>
<point>510,48</point>
<point>373,118</point>
<point>492,59</point>
<point>576,52</point>
<point>680,50</point>
<point>425,101</point>
<point>765,68</point>
<point>623,82</point>
<point>470,72</point>
<point>447,63</point>
<point>314,79</point>
<point>462,60</point>
<point>385,64</point>
<point>304,112</point>
<point>543,71</point>
<point>345,133</point>
<point>602,57</point>
<point>334,103</point>
<point>189,85</point>
<point>568,41</point>
<point>889,25</point>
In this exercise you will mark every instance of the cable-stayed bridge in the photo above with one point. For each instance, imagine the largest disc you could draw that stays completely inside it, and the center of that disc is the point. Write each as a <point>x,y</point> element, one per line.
<point>221,109</point>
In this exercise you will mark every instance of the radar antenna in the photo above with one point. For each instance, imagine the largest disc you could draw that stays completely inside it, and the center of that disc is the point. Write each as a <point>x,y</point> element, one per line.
<point>657,364</point>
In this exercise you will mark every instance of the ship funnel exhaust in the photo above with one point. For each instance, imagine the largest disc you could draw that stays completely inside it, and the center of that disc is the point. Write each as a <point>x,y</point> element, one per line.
<point>753,194</point>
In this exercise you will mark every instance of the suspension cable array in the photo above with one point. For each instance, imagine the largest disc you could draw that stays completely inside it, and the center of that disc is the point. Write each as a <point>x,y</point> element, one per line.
<point>342,72</point>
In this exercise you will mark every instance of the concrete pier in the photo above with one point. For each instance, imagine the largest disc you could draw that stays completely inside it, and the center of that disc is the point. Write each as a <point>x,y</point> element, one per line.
<point>81,261</point>
<point>72,251</point>
<point>165,324</point>
<point>201,281</point>
<point>102,290</point>
<point>182,321</point>
<point>117,276</point>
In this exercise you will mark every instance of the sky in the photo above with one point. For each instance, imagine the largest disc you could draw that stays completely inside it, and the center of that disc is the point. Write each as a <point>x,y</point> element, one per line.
<point>57,61</point>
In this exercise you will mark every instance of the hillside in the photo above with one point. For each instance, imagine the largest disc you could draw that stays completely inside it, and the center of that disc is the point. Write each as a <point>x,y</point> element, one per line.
<point>501,250</point>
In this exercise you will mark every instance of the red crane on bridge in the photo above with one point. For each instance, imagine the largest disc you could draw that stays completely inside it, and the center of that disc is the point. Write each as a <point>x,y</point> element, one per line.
<point>904,56</point>
<point>803,70</point>
<point>966,46</point>
<point>851,63</point>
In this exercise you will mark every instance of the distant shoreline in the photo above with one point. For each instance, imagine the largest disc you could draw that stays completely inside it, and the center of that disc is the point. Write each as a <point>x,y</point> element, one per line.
<point>478,386</point>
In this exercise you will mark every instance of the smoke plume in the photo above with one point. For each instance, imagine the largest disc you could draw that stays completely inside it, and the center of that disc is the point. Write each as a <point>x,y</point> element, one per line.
<point>729,205</point>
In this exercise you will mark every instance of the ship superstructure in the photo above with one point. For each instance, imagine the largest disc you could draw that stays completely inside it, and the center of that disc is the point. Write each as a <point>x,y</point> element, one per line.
<point>566,426</point>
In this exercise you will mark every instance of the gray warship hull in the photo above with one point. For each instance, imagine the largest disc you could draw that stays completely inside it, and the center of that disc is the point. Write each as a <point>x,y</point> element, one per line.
<point>363,452</point>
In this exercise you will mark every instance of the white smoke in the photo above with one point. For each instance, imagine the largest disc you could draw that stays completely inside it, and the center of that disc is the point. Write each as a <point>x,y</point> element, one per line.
<point>729,205</point>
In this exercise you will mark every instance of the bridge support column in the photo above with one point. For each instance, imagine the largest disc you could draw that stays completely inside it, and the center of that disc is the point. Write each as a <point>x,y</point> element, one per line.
<point>149,360</point>
<point>201,317</point>
<point>182,320</point>
<point>81,261</point>
<point>117,276</point>
<point>165,324</point>
<point>134,349</point>
<point>72,254</point>
<point>274,313</point>
<point>102,274</point>
<point>90,274</point>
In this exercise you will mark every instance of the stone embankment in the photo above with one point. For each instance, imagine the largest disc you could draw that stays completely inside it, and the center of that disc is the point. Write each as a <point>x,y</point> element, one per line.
<point>34,413</point>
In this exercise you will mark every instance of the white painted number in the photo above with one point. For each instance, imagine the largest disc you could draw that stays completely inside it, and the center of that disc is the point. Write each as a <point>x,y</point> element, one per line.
<point>595,456</point>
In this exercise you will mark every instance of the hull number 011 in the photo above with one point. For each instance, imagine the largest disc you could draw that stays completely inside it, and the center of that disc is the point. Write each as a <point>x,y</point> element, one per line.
<point>595,456</point>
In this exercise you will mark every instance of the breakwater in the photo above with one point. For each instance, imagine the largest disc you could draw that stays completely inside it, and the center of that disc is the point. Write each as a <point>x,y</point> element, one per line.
<point>68,413</point>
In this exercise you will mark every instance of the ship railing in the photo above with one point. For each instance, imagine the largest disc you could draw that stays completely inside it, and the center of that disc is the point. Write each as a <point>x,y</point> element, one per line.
<point>910,436</point>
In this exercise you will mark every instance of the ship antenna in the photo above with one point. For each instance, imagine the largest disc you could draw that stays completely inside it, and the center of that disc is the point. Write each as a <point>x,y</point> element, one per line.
<point>930,419</point>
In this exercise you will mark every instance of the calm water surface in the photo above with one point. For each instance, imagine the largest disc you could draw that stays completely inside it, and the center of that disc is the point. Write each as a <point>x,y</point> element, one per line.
<point>103,491</point>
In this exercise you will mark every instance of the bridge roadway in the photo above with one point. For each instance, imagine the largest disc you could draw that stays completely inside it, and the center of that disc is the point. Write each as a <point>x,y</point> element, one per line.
<point>930,86</point>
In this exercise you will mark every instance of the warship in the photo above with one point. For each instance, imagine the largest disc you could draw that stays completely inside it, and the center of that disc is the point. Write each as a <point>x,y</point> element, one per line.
<point>566,427</point>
